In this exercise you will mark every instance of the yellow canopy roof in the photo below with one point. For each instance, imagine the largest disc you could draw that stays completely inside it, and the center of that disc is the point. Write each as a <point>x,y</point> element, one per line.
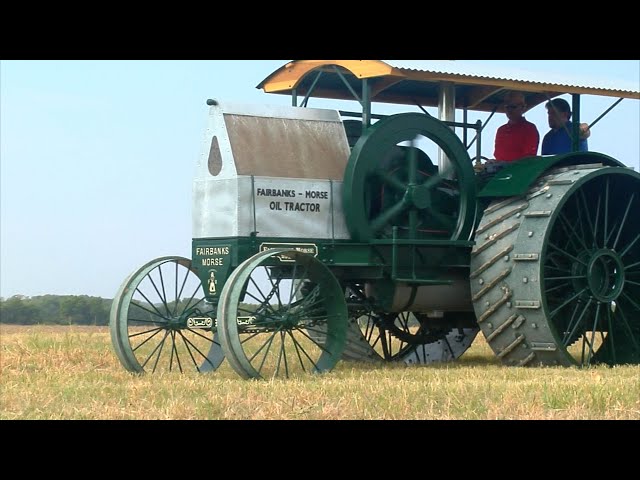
<point>417,82</point>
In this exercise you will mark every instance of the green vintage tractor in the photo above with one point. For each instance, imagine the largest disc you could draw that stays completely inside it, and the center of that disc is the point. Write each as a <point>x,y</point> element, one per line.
<point>321,235</point>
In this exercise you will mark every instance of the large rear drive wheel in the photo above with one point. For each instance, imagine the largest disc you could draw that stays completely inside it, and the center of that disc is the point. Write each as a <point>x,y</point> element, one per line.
<point>555,274</point>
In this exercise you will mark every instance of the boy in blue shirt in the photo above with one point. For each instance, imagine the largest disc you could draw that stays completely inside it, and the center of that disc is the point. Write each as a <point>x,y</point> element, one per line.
<point>558,139</point>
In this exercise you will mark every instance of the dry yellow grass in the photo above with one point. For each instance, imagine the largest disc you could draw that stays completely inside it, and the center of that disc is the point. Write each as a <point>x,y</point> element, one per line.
<point>72,373</point>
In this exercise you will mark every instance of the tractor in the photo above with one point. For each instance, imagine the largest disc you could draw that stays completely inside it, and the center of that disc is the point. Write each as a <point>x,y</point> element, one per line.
<point>321,235</point>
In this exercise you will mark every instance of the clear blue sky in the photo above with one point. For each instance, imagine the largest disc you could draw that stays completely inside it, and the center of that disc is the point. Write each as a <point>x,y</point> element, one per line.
<point>97,158</point>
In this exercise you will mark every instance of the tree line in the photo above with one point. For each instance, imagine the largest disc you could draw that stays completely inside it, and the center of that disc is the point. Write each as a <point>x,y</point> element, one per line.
<point>55,310</point>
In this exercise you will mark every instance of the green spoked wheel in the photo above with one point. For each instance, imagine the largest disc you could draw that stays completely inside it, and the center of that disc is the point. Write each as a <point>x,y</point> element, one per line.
<point>388,184</point>
<point>265,316</point>
<point>414,338</point>
<point>555,275</point>
<point>160,321</point>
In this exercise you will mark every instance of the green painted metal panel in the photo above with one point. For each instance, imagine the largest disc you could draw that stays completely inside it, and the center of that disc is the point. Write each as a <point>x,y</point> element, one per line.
<point>515,179</point>
<point>425,262</point>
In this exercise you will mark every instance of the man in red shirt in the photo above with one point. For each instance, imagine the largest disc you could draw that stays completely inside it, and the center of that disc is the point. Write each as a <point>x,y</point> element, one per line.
<point>518,138</point>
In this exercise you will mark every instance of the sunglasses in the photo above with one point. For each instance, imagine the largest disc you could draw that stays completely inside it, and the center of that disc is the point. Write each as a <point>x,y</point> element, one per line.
<point>513,107</point>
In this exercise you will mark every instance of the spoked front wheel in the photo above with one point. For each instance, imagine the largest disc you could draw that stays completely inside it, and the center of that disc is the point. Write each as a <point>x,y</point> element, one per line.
<point>161,322</point>
<point>268,307</point>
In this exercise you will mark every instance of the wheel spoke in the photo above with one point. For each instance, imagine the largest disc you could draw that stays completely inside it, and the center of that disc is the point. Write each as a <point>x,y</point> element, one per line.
<point>624,252</point>
<point>155,322</point>
<point>299,286</point>
<point>187,306</point>
<point>595,228</point>
<point>624,219</point>
<point>184,282</point>
<point>413,222</point>
<point>161,296</point>
<point>146,340</point>
<point>300,346</point>
<point>572,277</point>
<point>390,180</point>
<point>387,216</point>
<point>286,365</point>
<point>280,356</point>
<point>208,339</point>
<point>552,314</point>
<point>575,327</point>
<point>446,341</point>
<point>370,331</point>
<point>186,344</point>
<point>273,285</point>
<point>246,338</point>
<point>320,346</point>
<point>295,345</point>
<point>177,355</point>
<point>610,337</point>
<point>568,331</point>
<point>593,335</point>
<point>189,343</point>
<point>573,234</point>
<point>630,300</point>
<point>385,344</point>
<point>155,312</point>
<point>263,302</point>
<point>436,179</point>
<point>564,252</point>
<point>628,327</point>
<point>159,348</point>
<point>586,214</point>
<point>268,344</point>
<point>293,280</point>
<point>605,236</point>
<point>558,269</point>
<point>557,287</point>
<point>613,230</point>
<point>442,219</point>
<point>629,267</point>
<point>173,346</point>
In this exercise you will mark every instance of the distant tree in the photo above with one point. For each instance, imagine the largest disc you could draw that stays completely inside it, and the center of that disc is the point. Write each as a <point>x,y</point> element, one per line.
<point>49,307</point>
<point>19,310</point>
<point>55,309</point>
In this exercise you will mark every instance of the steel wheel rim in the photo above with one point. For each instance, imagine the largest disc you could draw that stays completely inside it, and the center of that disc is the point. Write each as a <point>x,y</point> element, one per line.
<point>152,332</point>
<point>264,325</point>
<point>590,275</point>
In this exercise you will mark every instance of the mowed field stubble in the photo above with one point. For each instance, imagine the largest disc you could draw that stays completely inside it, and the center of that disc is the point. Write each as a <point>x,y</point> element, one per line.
<point>71,372</point>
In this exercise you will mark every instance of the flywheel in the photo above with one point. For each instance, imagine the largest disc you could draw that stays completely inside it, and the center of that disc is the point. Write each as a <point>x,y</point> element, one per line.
<point>391,184</point>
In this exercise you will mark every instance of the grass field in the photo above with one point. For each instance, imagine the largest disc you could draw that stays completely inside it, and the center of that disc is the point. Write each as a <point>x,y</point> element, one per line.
<point>52,372</point>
